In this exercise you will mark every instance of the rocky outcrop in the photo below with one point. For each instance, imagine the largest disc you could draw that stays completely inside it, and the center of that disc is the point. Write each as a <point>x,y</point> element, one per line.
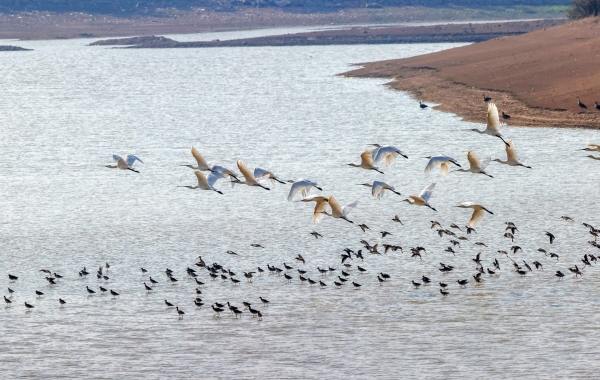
<point>12,48</point>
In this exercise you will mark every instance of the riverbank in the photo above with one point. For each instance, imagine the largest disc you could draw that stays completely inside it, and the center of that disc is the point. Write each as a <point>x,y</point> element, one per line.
<point>534,77</point>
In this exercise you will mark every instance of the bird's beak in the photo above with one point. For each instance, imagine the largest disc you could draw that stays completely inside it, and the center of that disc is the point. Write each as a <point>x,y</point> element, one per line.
<point>319,188</point>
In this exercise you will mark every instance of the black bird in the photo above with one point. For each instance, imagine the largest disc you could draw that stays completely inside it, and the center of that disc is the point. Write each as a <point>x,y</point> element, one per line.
<point>550,236</point>
<point>103,289</point>
<point>311,282</point>
<point>316,234</point>
<point>288,277</point>
<point>148,289</point>
<point>425,279</point>
<point>385,233</point>
<point>61,302</point>
<point>462,282</point>
<point>113,293</point>
<point>356,285</point>
<point>237,313</point>
<point>56,275</point>
<point>169,304</point>
<point>198,291</point>
<point>234,280</point>
<point>538,265</point>
<point>301,271</point>
<point>51,280</point>
<point>302,278</point>
<point>259,315</point>
<point>260,270</point>
<point>443,285</point>
<point>515,249</point>
<point>217,310</point>
<point>153,281</point>
<point>478,278</point>
<point>198,303</point>
<point>416,284</point>
<point>559,274</point>
<point>144,270</point>
<point>486,98</point>
<point>12,277</point>
<point>342,280</point>
<point>423,105</point>
<point>505,116</point>
<point>90,291</point>
<point>198,282</point>
<point>597,106</point>
<point>180,312</point>
<point>38,293</point>
<point>384,276</point>
<point>576,271</point>
<point>345,274</point>
<point>253,311</point>
<point>264,301</point>
<point>381,280</point>
<point>10,291</point>
<point>246,304</point>
<point>338,284</point>
<point>443,292</point>
<point>7,301</point>
<point>28,306</point>
<point>581,105</point>
<point>287,267</point>
<point>361,269</point>
<point>331,270</point>
<point>322,284</point>
<point>491,272</point>
<point>174,280</point>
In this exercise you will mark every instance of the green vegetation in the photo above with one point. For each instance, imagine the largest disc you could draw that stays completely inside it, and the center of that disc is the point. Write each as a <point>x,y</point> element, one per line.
<point>583,8</point>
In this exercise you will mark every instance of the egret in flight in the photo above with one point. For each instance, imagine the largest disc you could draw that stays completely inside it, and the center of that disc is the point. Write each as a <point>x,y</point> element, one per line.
<point>440,160</point>
<point>249,178</point>
<point>366,162</point>
<point>387,153</point>
<point>124,163</point>
<point>592,147</point>
<point>319,207</point>
<point>225,172</point>
<point>423,198</point>
<point>493,123</point>
<point>475,165</point>
<point>262,174</point>
<point>301,186</point>
<point>206,183</point>
<point>339,212</point>
<point>378,188</point>
<point>512,158</point>
<point>202,164</point>
<point>478,212</point>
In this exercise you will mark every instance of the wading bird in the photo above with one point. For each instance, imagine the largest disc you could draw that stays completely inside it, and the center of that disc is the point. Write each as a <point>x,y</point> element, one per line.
<point>478,212</point>
<point>339,212</point>
<point>423,198</point>
<point>475,165</point>
<point>387,153</point>
<point>202,164</point>
<point>512,158</point>
<point>493,123</point>
<point>205,183</point>
<point>366,162</point>
<point>301,186</point>
<point>249,178</point>
<point>262,174</point>
<point>440,160</point>
<point>320,207</point>
<point>124,163</point>
<point>378,188</point>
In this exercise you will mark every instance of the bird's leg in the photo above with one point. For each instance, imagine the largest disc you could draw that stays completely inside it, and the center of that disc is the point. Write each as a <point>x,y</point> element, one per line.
<point>501,138</point>
<point>487,174</point>
<point>395,192</point>
<point>133,170</point>
<point>279,181</point>
<point>264,187</point>
<point>379,171</point>
<point>431,207</point>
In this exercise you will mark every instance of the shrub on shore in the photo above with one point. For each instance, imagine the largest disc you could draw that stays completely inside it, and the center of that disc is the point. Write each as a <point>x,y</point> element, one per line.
<point>583,8</point>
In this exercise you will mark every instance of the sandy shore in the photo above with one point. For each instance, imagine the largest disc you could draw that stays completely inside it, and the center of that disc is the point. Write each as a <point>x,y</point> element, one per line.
<point>468,32</point>
<point>534,77</point>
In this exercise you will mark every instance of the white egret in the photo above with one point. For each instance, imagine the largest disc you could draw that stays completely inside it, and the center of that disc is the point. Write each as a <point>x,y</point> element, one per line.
<point>387,153</point>
<point>423,198</point>
<point>319,207</point>
<point>339,212</point>
<point>301,186</point>
<point>592,147</point>
<point>475,165</point>
<point>493,123</point>
<point>440,160</point>
<point>512,158</point>
<point>378,188</point>
<point>205,183</point>
<point>225,172</point>
<point>248,176</point>
<point>202,164</point>
<point>366,162</point>
<point>125,163</point>
<point>262,174</point>
<point>478,212</point>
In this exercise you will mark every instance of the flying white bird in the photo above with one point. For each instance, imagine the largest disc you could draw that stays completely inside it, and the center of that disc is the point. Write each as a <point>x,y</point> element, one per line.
<point>319,207</point>
<point>387,153</point>
<point>339,212</point>
<point>202,164</point>
<point>478,212</point>
<point>124,163</point>
<point>378,188</point>
<point>225,172</point>
<point>301,186</point>
<point>440,160</point>
<point>475,165</point>
<point>512,158</point>
<point>366,162</point>
<point>592,147</point>
<point>262,174</point>
<point>205,183</point>
<point>493,123</point>
<point>248,176</point>
<point>423,198</point>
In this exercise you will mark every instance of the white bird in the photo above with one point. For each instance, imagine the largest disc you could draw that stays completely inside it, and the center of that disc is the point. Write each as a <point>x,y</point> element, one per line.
<point>339,212</point>
<point>301,186</point>
<point>319,207</point>
<point>475,165</point>
<point>378,188</point>
<point>205,183</point>
<point>225,172</point>
<point>389,153</point>
<point>478,212</point>
<point>262,174</point>
<point>423,198</point>
<point>248,176</point>
<point>512,158</point>
<point>593,147</point>
<point>366,162</point>
<point>124,163</point>
<point>440,160</point>
<point>493,123</point>
<point>202,164</point>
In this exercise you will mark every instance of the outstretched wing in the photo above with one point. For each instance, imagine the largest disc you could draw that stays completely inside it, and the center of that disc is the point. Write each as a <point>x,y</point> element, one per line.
<point>335,206</point>
<point>592,144</point>
<point>214,177</point>
<point>349,207</point>
<point>318,214</point>
<point>434,162</point>
<point>199,159</point>
<point>474,160</point>
<point>245,171</point>
<point>261,174</point>
<point>486,162</point>
<point>493,119</point>
<point>378,188</point>
<point>116,158</point>
<point>130,159</point>
<point>476,217</point>
<point>426,193</point>
<point>300,186</point>
<point>367,158</point>
<point>511,151</point>
<point>202,182</point>
<point>446,168</point>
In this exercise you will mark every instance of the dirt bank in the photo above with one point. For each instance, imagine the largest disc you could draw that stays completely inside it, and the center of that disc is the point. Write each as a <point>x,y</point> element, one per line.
<point>534,77</point>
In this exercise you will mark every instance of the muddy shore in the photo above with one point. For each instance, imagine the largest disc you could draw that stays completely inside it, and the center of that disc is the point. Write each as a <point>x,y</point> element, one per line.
<point>535,77</point>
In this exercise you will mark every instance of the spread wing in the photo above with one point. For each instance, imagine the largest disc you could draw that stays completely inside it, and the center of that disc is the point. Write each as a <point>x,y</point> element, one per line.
<point>262,174</point>
<point>426,193</point>
<point>335,206</point>
<point>300,186</point>
<point>349,207</point>
<point>476,217</point>
<point>592,144</point>
<point>378,188</point>
<point>319,208</point>
<point>511,151</point>
<point>434,162</point>
<point>199,159</point>
<point>493,119</point>
<point>367,158</point>
<point>116,158</point>
<point>245,171</point>
<point>214,177</point>
<point>474,160</point>
<point>389,153</point>
<point>446,168</point>
<point>201,178</point>
<point>130,159</point>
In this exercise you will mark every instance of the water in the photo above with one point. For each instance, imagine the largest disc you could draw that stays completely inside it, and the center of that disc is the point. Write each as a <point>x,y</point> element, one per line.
<point>66,108</point>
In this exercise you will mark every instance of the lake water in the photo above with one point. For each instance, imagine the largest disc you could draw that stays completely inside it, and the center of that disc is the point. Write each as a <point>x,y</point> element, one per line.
<point>66,108</point>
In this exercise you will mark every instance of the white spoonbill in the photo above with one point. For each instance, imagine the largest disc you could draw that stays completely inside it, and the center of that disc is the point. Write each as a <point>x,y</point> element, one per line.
<point>493,123</point>
<point>366,162</point>
<point>248,176</point>
<point>423,198</point>
<point>319,207</point>
<point>475,165</point>
<point>262,174</point>
<point>124,163</point>
<point>206,183</point>
<point>387,153</point>
<point>301,186</point>
<point>202,164</point>
<point>478,212</point>
<point>440,160</point>
<point>592,147</point>
<point>512,158</point>
<point>339,212</point>
<point>379,187</point>
<point>224,172</point>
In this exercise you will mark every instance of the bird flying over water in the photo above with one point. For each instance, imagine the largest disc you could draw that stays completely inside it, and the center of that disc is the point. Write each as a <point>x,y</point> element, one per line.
<point>205,183</point>
<point>339,212</point>
<point>124,163</point>
<point>249,178</point>
<point>320,207</point>
<point>445,162</point>
<point>379,187</point>
<point>202,165</point>
<point>476,166</point>
<point>512,158</point>
<point>478,212</point>
<point>387,153</point>
<point>493,123</point>
<point>366,162</point>
<point>423,198</point>
<point>301,186</point>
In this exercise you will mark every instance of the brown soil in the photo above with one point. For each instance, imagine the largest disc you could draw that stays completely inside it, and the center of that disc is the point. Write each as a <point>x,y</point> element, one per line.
<point>395,35</point>
<point>534,77</point>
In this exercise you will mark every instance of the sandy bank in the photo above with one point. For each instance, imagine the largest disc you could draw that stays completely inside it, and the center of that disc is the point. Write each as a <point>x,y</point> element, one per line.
<point>534,77</point>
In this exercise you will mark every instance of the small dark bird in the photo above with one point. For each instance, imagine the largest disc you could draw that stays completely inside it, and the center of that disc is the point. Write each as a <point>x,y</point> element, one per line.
<point>443,292</point>
<point>90,291</point>
<point>61,302</point>
<point>538,265</point>
<point>288,277</point>
<point>505,116</point>
<point>425,279</point>
<point>423,105</point>
<point>300,258</point>
<point>7,301</point>
<point>491,272</point>
<point>217,310</point>
<point>28,306</point>
<point>256,245</point>
<point>12,277</point>
<point>581,105</point>
<point>364,227</point>
<point>480,243</point>
<point>597,106</point>
<point>559,274</point>
<point>180,312</point>
<point>385,276</point>
<point>169,304</point>
<point>316,234</point>
<point>259,315</point>
<point>416,284</point>
<point>486,98</point>
<point>113,293</point>
<point>10,291</point>
<point>384,234</point>
<point>322,284</point>
<point>576,271</point>
<point>356,285</point>
<point>342,280</point>
<point>470,230</point>
<point>550,236</point>
<point>443,285</point>
<point>232,253</point>
<point>148,289</point>
<point>510,236</point>
<point>361,269</point>
<point>397,220</point>
<point>311,282</point>
<point>234,280</point>
<point>338,284</point>
<point>462,282</point>
<point>38,293</point>
<point>381,280</point>
<point>198,303</point>
<point>516,248</point>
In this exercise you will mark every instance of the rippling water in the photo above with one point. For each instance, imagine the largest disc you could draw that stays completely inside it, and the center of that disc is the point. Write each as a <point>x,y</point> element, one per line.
<point>66,108</point>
